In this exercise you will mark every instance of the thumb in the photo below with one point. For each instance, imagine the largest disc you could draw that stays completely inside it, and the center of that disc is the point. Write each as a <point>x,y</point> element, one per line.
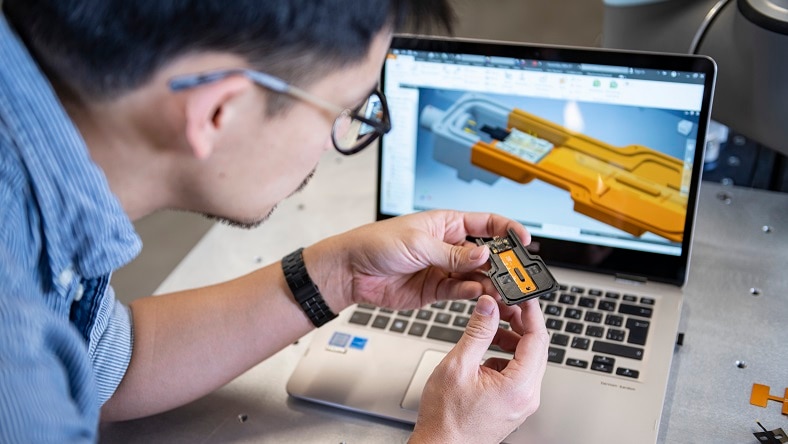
<point>479,332</point>
<point>456,258</point>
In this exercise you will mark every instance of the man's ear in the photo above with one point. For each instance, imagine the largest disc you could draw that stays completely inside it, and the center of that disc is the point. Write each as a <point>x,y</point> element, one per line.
<point>206,111</point>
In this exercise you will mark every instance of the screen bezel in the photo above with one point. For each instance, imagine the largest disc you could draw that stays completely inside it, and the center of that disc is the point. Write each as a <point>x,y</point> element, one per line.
<point>629,263</point>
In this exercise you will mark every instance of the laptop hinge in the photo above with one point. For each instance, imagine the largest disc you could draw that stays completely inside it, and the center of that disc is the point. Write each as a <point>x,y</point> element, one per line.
<point>630,278</point>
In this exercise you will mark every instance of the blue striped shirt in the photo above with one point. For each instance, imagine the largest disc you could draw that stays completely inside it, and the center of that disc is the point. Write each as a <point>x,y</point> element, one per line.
<point>65,342</point>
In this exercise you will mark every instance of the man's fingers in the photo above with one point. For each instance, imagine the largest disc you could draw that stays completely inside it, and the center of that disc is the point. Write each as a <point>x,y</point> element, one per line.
<point>479,332</point>
<point>451,258</point>
<point>535,339</point>
<point>497,364</point>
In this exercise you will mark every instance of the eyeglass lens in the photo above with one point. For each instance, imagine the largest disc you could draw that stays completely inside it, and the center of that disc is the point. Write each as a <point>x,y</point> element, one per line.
<point>350,132</point>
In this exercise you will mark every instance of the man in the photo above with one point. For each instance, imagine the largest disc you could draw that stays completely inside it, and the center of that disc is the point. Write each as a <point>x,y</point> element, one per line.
<point>111,110</point>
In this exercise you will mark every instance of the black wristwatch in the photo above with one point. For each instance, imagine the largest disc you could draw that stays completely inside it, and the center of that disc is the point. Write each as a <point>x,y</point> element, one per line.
<point>304,289</point>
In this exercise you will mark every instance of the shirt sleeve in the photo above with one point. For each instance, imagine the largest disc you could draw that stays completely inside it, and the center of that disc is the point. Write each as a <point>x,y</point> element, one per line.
<point>47,391</point>
<point>110,345</point>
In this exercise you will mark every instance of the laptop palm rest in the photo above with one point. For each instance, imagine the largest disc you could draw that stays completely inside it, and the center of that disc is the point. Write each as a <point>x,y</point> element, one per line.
<point>429,360</point>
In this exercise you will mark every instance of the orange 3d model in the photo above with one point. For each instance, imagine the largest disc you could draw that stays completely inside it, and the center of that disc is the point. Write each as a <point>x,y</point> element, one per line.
<point>615,185</point>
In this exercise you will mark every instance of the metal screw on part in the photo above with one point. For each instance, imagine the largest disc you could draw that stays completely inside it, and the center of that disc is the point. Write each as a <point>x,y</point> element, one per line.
<point>741,364</point>
<point>734,161</point>
<point>755,291</point>
<point>242,418</point>
<point>767,229</point>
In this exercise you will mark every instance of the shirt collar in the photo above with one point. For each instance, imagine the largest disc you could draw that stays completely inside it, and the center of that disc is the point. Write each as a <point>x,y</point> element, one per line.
<point>83,223</point>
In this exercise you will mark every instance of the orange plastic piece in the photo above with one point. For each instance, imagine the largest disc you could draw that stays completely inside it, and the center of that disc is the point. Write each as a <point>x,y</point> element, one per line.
<point>760,396</point>
<point>634,188</point>
<point>515,269</point>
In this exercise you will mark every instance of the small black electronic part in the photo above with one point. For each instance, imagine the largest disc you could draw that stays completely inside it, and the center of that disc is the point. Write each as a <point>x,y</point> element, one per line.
<point>776,436</point>
<point>516,274</point>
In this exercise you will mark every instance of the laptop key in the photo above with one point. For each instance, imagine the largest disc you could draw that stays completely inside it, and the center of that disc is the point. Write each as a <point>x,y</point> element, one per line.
<point>381,321</point>
<point>607,360</point>
<point>458,307</point>
<point>417,329</point>
<point>559,339</point>
<point>638,330</point>
<point>614,320</point>
<point>595,331</point>
<point>567,298</point>
<point>616,335</point>
<point>360,317</point>
<point>635,310</point>
<point>554,324</point>
<point>442,318</point>
<point>399,325</point>
<point>444,334</point>
<point>556,355</point>
<point>601,367</point>
<point>580,343</point>
<point>461,321</point>
<point>573,313</point>
<point>593,316</point>
<point>577,363</point>
<point>622,350</point>
<point>607,305</point>
<point>586,302</point>
<point>629,373</point>
<point>424,315</point>
<point>553,310</point>
<point>574,327</point>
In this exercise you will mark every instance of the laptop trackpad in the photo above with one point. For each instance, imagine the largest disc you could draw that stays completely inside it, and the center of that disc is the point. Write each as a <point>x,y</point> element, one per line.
<point>428,361</point>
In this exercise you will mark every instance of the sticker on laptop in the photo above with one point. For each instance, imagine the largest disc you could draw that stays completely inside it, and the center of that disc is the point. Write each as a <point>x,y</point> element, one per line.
<point>340,342</point>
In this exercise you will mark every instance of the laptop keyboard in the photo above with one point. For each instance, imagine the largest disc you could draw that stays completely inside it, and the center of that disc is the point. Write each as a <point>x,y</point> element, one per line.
<point>591,329</point>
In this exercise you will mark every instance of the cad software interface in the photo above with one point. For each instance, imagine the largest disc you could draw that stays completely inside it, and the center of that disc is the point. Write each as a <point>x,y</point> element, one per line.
<point>587,153</point>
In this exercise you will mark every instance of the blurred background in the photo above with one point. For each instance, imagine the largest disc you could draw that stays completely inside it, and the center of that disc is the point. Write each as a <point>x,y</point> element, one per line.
<point>747,38</point>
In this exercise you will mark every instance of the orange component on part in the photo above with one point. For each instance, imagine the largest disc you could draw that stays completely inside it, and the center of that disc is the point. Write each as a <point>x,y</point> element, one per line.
<point>515,268</point>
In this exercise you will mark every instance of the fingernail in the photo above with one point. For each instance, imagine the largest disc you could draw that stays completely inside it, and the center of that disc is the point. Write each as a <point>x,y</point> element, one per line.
<point>477,252</point>
<point>485,306</point>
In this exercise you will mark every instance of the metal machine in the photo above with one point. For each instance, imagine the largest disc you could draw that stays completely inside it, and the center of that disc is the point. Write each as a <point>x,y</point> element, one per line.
<point>747,38</point>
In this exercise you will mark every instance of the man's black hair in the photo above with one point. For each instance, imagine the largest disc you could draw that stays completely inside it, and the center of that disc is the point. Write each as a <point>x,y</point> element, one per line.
<point>98,49</point>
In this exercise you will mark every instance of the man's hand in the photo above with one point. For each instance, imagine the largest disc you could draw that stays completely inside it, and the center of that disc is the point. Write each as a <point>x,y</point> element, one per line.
<point>409,261</point>
<point>464,401</point>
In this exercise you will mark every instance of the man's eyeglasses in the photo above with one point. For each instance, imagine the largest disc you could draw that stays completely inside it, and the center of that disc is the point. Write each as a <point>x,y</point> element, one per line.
<point>353,130</point>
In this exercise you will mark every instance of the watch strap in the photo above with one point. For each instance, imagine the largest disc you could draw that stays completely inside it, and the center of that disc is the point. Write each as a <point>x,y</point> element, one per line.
<point>304,289</point>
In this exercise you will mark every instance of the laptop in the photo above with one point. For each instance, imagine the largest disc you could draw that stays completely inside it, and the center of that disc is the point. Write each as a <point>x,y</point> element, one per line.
<point>598,153</point>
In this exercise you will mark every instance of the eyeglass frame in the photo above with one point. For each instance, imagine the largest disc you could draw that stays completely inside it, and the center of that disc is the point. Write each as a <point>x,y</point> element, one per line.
<point>277,85</point>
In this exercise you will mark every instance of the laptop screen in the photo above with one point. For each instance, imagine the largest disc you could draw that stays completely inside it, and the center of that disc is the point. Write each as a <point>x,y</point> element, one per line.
<point>597,153</point>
